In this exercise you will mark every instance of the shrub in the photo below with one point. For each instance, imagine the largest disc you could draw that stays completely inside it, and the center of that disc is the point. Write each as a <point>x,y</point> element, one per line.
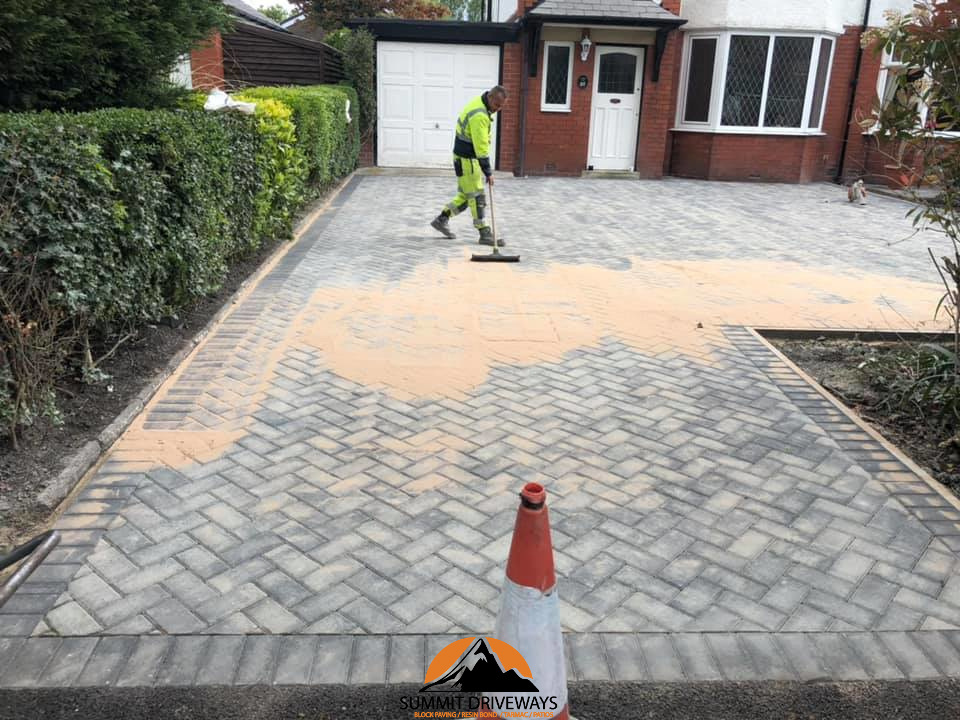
<point>114,217</point>
<point>282,167</point>
<point>327,140</point>
<point>358,65</point>
<point>97,53</point>
<point>108,219</point>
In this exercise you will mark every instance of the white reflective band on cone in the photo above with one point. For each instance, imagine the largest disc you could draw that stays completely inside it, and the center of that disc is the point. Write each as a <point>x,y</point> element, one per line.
<point>529,620</point>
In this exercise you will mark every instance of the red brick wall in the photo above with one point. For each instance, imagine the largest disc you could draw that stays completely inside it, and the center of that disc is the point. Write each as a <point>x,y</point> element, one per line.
<point>366,158</point>
<point>509,116</point>
<point>726,156</point>
<point>838,99</point>
<point>557,142</point>
<point>659,109</point>
<point>855,161</point>
<point>206,64</point>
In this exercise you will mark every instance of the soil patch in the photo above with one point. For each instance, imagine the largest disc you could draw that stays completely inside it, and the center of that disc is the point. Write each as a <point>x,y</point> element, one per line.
<point>860,375</point>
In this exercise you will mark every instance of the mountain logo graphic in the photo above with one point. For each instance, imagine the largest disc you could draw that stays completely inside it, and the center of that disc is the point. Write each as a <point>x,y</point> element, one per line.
<point>488,665</point>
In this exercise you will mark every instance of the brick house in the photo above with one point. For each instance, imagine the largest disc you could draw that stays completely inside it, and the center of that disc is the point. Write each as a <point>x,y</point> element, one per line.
<point>768,90</point>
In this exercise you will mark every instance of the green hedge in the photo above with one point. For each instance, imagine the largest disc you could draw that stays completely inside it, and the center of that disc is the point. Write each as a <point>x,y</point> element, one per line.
<point>116,217</point>
<point>329,142</point>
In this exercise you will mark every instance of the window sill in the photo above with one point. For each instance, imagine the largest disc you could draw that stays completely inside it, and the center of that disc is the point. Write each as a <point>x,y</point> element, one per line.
<point>774,132</point>
<point>555,110</point>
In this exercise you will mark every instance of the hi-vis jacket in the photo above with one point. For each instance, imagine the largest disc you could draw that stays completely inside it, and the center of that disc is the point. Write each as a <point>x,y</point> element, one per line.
<point>473,133</point>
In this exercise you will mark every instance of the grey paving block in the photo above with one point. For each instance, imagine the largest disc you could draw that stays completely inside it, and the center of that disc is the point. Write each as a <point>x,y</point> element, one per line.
<point>109,659</point>
<point>941,652</point>
<point>369,662</point>
<point>842,660</point>
<point>732,658</point>
<point>30,661</point>
<point>68,662</point>
<point>183,662</point>
<point>802,655</point>
<point>624,656</point>
<point>258,660</point>
<point>222,658</point>
<point>909,655</point>
<point>588,656</point>
<point>295,660</point>
<point>145,661</point>
<point>660,659</point>
<point>696,657</point>
<point>875,657</point>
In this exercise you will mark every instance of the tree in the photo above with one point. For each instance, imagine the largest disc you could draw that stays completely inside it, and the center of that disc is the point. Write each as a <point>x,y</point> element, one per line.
<point>924,103</point>
<point>469,10</point>
<point>98,53</point>
<point>332,14</point>
<point>277,13</point>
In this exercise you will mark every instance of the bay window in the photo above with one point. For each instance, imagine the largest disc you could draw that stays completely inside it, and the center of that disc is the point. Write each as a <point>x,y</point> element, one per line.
<point>755,82</point>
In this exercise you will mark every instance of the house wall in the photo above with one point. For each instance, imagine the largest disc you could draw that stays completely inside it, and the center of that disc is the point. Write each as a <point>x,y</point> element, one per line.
<point>206,64</point>
<point>785,158</point>
<point>813,15</point>
<point>654,149</point>
<point>511,70</point>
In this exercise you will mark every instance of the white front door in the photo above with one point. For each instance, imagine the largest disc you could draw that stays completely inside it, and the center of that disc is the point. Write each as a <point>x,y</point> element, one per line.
<point>617,83</point>
<point>421,89</point>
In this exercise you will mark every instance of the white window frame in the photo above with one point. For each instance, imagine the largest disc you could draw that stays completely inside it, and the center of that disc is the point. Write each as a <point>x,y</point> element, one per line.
<point>556,107</point>
<point>718,88</point>
<point>887,66</point>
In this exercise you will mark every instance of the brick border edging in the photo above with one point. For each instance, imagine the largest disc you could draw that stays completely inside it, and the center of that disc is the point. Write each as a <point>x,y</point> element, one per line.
<point>89,457</point>
<point>204,660</point>
<point>889,447</point>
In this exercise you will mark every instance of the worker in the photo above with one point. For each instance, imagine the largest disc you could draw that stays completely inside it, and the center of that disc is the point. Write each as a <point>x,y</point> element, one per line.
<point>471,162</point>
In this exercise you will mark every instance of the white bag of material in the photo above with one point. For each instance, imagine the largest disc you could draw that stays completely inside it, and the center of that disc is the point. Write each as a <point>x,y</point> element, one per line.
<point>219,100</point>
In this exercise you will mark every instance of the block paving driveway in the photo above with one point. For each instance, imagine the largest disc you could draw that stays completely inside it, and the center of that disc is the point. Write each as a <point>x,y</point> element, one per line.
<point>325,490</point>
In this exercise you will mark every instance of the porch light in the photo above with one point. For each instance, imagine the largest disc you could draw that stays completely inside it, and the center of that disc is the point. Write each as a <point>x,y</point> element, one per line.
<point>585,46</point>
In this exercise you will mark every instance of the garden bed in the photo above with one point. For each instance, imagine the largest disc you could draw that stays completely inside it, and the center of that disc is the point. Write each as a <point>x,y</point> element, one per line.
<point>86,410</point>
<point>883,382</point>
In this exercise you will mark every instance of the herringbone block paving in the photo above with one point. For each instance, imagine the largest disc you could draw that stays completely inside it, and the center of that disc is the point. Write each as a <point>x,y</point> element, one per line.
<point>342,456</point>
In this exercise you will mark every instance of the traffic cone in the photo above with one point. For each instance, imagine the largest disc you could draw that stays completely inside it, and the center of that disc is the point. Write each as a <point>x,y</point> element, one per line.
<point>529,617</point>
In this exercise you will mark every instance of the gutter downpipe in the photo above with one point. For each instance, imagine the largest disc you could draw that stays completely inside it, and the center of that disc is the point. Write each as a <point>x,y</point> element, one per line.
<point>838,178</point>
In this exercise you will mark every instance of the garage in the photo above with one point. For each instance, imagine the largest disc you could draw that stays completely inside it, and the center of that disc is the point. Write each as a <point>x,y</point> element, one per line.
<point>421,88</point>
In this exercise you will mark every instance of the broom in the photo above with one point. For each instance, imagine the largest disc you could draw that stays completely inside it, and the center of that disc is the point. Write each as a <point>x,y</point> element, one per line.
<point>496,255</point>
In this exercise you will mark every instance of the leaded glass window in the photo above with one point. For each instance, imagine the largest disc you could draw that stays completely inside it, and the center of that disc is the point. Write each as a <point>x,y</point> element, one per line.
<point>556,75</point>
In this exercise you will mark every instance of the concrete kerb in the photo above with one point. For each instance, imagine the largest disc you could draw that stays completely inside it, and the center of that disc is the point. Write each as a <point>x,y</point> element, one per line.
<point>84,463</point>
<point>852,416</point>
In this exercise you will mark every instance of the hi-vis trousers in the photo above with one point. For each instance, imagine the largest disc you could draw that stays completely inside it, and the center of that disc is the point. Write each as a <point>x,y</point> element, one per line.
<point>470,180</point>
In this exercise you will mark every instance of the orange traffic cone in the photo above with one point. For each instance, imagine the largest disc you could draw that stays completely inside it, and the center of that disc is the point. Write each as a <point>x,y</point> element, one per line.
<point>529,617</point>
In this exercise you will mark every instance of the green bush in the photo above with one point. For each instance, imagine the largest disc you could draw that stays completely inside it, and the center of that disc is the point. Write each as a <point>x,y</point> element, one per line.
<point>330,144</point>
<point>116,217</point>
<point>283,167</point>
<point>359,50</point>
<point>97,53</point>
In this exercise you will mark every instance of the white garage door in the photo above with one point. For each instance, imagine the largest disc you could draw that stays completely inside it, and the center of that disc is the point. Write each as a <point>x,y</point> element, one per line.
<point>421,89</point>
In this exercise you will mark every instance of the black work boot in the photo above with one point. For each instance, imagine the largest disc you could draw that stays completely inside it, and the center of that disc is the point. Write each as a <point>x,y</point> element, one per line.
<point>486,237</point>
<point>441,223</point>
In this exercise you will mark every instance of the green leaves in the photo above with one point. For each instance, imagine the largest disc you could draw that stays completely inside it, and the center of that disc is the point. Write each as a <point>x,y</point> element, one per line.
<point>97,53</point>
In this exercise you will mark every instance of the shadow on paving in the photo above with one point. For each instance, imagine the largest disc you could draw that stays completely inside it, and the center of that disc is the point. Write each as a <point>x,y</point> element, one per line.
<point>589,701</point>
